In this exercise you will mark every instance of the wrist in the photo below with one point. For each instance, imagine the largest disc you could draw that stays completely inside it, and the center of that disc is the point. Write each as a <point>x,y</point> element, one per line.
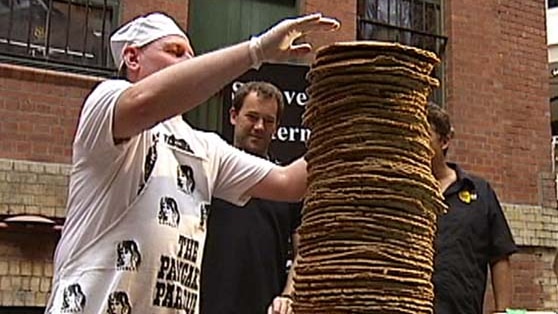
<point>256,52</point>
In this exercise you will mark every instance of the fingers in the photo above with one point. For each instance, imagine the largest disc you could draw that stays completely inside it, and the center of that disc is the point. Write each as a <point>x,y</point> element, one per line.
<point>333,24</point>
<point>310,18</point>
<point>301,49</point>
<point>280,305</point>
<point>316,22</point>
<point>276,45</point>
<point>305,25</point>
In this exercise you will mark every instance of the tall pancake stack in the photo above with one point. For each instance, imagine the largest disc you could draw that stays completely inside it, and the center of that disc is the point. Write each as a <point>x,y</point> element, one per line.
<point>366,238</point>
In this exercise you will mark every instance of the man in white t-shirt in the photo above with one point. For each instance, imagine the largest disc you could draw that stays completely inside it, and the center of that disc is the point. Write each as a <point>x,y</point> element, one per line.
<point>142,177</point>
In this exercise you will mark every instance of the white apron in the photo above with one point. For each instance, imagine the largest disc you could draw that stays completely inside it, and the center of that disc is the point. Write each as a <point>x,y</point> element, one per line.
<point>148,260</point>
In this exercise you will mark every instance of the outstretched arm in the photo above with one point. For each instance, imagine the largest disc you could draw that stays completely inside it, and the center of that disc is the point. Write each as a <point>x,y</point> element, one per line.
<point>286,184</point>
<point>501,283</point>
<point>182,86</point>
<point>177,89</point>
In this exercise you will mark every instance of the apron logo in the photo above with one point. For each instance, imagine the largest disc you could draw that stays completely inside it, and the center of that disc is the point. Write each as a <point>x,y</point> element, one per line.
<point>128,256</point>
<point>150,160</point>
<point>177,283</point>
<point>185,179</point>
<point>73,299</point>
<point>168,212</point>
<point>118,303</point>
<point>178,143</point>
<point>467,197</point>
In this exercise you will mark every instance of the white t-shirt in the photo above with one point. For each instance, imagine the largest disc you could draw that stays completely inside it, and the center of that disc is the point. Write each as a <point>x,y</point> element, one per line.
<point>135,225</point>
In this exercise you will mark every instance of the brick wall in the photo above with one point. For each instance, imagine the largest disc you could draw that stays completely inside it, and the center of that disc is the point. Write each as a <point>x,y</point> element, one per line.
<point>39,110</point>
<point>32,188</point>
<point>344,11</point>
<point>497,92</point>
<point>25,268</point>
<point>535,286</point>
<point>177,8</point>
<point>535,230</point>
<point>497,85</point>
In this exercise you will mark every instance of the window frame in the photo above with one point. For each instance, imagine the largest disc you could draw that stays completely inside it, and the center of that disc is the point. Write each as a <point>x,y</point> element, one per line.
<point>438,95</point>
<point>104,68</point>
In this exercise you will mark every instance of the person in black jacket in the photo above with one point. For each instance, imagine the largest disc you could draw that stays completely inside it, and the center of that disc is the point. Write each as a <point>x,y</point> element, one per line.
<point>472,236</point>
<point>244,270</point>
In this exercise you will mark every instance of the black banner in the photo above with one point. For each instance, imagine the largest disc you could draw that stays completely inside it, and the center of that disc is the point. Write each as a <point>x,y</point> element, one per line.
<point>289,140</point>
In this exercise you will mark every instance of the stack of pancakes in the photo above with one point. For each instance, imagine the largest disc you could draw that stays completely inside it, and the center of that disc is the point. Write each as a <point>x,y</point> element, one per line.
<point>369,219</point>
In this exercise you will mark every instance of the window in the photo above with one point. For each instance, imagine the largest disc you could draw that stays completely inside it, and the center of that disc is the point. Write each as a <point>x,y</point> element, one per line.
<point>411,22</point>
<point>552,4</point>
<point>72,34</point>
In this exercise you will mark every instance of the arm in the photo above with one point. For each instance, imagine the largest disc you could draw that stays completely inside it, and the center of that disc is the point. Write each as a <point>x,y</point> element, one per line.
<point>502,246</point>
<point>282,303</point>
<point>177,89</point>
<point>282,183</point>
<point>501,283</point>
<point>289,285</point>
<point>182,86</point>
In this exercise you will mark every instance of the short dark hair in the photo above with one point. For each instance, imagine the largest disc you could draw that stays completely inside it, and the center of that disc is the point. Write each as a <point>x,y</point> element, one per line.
<point>439,120</point>
<point>264,90</point>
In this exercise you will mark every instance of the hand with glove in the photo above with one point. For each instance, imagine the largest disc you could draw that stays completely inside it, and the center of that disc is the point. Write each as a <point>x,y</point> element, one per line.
<point>276,44</point>
<point>281,305</point>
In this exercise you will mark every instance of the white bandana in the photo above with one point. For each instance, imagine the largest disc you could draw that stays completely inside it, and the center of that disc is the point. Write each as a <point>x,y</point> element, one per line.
<point>142,31</point>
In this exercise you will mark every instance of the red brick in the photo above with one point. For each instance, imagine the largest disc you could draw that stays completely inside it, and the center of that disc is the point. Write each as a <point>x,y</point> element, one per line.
<point>497,83</point>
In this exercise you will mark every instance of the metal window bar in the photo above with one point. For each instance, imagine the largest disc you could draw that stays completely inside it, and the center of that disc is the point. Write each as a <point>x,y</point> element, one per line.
<point>29,26</point>
<point>84,46</point>
<point>68,23</point>
<point>388,12</point>
<point>103,32</point>
<point>440,39</point>
<point>419,24</point>
<point>411,13</point>
<point>65,34</point>
<point>424,16</point>
<point>11,18</point>
<point>47,30</point>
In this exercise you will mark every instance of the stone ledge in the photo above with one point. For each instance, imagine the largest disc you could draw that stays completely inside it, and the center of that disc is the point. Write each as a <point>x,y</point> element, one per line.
<point>29,73</point>
<point>533,225</point>
<point>33,188</point>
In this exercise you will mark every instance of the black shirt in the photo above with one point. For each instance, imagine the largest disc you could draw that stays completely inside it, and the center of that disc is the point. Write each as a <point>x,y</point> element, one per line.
<point>245,258</point>
<point>471,235</point>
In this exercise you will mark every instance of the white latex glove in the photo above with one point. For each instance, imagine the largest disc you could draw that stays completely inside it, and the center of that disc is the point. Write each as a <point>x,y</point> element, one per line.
<point>276,44</point>
<point>280,305</point>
